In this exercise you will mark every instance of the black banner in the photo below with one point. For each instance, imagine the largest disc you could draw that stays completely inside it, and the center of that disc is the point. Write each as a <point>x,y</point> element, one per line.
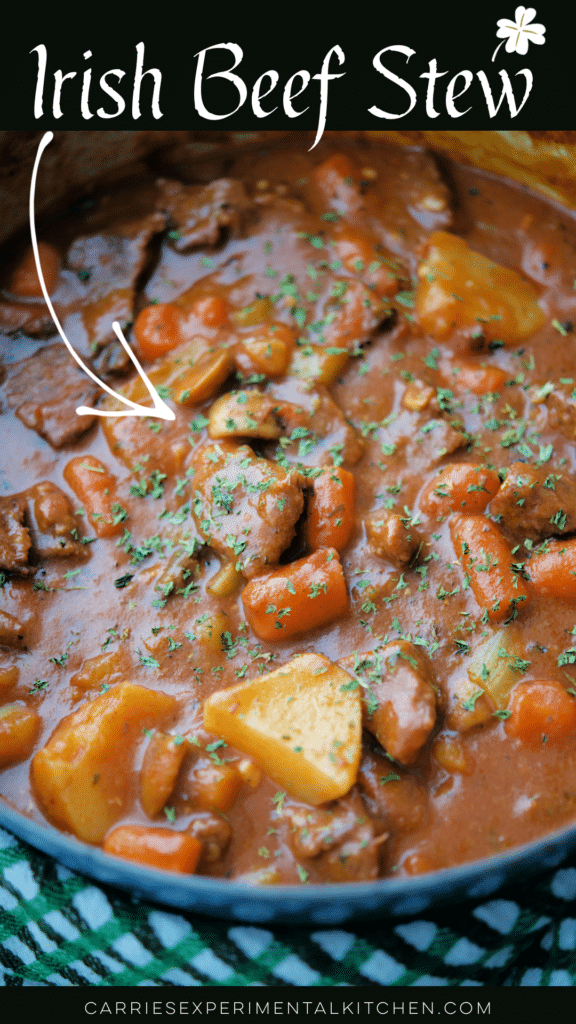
<point>423,66</point>
<point>264,1004</point>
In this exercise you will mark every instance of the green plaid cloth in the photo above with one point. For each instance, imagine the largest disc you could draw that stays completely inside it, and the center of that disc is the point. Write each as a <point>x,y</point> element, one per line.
<point>58,928</point>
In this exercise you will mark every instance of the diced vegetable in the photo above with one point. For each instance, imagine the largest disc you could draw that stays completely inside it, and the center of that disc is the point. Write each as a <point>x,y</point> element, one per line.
<point>84,776</point>
<point>314,363</point>
<point>552,569</point>
<point>301,723</point>
<point>25,280</point>
<point>260,876</point>
<point>541,710</point>
<point>19,727</point>
<point>9,675</point>
<point>249,772</point>
<point>487,562</point>
<point>158,329</point>
<point>157,847</point>
<point>417,396</point>
<point>215,787</point>
<point>211,310</point>
<point>95,488</point>
<point>104,668</point>
<point>298,597</point>
<point>471,706</point>
<point>480,379</point>
<point>257,312</point>
<point>459,487</point>
<point>265,350</point>
<point>160,767</point>
<point>330,520</point>
<point>226,581</point>
<point>496,664</point>
<point>458,288</point>
<point>451,756</point>
<point>204,379</point>
<point>244,414</point>
<point>208,631</point>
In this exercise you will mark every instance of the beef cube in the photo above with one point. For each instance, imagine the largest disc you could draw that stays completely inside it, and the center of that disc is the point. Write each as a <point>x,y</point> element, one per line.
<point>214,833</point>
<point>392,536</point>
<point>400,799</point>
<point>400,699</point>
<point>341,838</point>
<point>322,434</point>
<point>15,540</point>
<point>245,507</point>
<point>535,503</point>
<point>54,525</point>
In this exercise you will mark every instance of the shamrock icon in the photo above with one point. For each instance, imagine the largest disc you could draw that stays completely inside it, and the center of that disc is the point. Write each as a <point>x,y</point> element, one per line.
<point>521,32</point>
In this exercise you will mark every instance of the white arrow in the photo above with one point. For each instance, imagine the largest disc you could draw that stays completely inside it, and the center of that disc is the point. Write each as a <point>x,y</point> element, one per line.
<point>161,410</point>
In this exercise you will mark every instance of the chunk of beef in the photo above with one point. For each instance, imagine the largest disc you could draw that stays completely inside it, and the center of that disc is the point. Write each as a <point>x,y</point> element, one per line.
<point>213,832</point>
<point>535,502</point>
<point>420,438</point>
<point>54,525</point>
<point>350,314</point>
<point>15,540</point>
<point>45,390</point>
<point>400,699</point>
<point>109,264</point>
<point>321,432</point>
<point>199,212</point>
<point>400,799</point>
<point>31,317</point>
<point>245,507</point>
<point>393,537</point>
<point>41,519</point>
<point>341,839</point>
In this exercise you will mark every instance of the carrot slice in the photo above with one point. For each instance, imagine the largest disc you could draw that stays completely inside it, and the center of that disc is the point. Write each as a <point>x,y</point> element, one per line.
<point>541,708</point>
<point>487,560</point>
<point>158,847</point>
<point>157,329</point>
<point>296,598</point>
<point>95,487</point>
<point>459,487</point>
<point>25,280</point>
<point>553,570</point>
<point>331,510</point>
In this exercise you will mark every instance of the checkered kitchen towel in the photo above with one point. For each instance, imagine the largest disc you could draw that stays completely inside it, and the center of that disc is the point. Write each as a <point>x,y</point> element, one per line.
<point>58,928</point>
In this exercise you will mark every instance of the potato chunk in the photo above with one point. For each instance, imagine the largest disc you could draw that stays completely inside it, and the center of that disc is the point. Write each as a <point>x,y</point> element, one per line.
<point>460,289</point>
<point>162,762</point>
<point>301,723</point>
<point>19,727</point>
<point>84,776</point>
